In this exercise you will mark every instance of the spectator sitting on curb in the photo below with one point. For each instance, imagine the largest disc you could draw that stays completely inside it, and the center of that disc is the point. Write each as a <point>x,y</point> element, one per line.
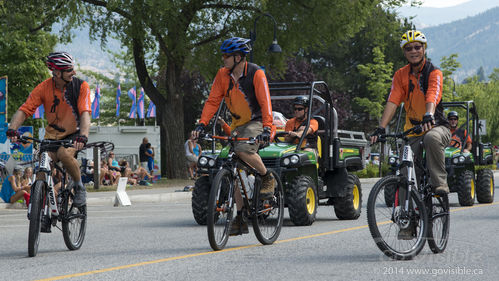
<point>140,175</point>
<point>12,190</point>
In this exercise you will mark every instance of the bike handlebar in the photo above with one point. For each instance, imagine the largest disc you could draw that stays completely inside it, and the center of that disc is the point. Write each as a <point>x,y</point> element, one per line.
<point>227,138</point>
<point>416,129</point>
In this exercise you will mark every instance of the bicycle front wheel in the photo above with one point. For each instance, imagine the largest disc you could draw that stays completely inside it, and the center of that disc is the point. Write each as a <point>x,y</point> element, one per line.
<point>35,216</point>
<point>220,209</point>
<point>74,221</point>
<point>397,234</point>
<point>268,216</point>
<point>439,218</point>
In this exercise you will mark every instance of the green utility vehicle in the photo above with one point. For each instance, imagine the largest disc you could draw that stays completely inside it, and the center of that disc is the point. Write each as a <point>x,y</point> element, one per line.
<point>464,174</point>
<point>308,179</point>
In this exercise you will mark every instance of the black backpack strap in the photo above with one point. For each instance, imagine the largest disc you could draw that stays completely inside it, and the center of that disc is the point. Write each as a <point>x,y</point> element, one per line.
<point>72,93</point>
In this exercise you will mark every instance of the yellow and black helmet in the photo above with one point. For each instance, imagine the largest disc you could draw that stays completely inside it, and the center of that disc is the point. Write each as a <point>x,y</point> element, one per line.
<point>412,36</point>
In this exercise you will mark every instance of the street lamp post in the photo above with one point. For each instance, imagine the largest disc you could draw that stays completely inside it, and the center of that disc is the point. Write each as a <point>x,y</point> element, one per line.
<point>274,47</point>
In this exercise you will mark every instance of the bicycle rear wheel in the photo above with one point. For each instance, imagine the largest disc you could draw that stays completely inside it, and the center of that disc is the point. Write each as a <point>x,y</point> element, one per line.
<point>268,217</point>
<point>385,222</point>
<point>439,218</point>
<point>36,203</point>
<point>74,221</point>
<point>220,209</point>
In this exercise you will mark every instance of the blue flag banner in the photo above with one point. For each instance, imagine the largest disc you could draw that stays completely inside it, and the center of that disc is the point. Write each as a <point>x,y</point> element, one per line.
<point>151,110</point>
<point>96,104</point>
<point>39,112</point>
<point>132,94</point>
<point>140,102</point>
<point>118,96</point>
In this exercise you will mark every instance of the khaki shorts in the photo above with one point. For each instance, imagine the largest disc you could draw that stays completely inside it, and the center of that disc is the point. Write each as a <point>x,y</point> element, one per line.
<point>191,158</point>
<point>248,130</point>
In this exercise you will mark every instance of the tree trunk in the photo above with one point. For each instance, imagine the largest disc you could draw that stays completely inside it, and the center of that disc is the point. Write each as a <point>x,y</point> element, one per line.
<point>172,139</point>
<point>171,121</point>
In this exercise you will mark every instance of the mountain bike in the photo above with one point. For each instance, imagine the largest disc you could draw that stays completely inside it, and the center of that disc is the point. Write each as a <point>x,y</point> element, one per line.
<point>266,215</point>
<point>45,206</point>
<point>403,214</point>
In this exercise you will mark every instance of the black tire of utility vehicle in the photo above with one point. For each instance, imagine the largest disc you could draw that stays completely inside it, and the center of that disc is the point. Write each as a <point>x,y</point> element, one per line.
<point>349,207</point>
<point>200,196</point>
<point>466,188</point>
<point>485,186</point>
<point>302,200</point>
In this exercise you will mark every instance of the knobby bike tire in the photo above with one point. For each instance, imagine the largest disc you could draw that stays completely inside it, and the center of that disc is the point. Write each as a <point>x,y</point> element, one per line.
<point>269,214</point>
<point>439,217</point>
<point>220,209</point>
<point>385,231</point>
<point>35,217</point>
<point>74,221</point>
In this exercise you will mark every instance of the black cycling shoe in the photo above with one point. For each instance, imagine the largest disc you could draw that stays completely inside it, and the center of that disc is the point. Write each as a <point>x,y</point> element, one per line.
<point>239,226</point>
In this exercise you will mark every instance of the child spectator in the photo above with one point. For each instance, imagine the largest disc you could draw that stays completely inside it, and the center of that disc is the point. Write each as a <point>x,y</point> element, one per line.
<point>27,179</point>
<point>150,158</point>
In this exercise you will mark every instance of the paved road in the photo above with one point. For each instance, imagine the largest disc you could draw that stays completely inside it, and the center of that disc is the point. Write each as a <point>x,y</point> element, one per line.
<point>160,241</point>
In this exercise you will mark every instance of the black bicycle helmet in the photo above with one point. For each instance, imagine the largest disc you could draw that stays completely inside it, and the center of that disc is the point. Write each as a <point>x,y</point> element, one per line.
<point>301,100</point>
<point>452,114</point>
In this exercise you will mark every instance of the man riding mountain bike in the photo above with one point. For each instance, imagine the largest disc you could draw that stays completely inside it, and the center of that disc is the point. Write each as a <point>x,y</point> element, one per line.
<point>244,87</point>
<point>67,106</point>
<point>459,134</point>
<point>419,86</point>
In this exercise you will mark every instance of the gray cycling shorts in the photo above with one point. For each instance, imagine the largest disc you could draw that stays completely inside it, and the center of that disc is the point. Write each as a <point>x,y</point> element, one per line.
<point>248,130</point>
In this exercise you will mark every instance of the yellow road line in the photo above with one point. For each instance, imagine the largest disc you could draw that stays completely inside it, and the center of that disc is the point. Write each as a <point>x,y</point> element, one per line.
<point>230,249</point>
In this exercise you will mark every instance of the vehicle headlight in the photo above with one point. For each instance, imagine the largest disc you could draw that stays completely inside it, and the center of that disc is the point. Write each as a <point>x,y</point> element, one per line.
<point>392,160</point>
<point>461,159</point>
<point>203,161</point>
<point>211,162</point>
<point>286,161</point>
<point>455,160</point>
<point>294,159</point>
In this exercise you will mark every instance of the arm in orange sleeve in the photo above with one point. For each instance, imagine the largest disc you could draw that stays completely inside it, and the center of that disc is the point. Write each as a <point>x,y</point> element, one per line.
<point>216,95</point>
<point>84,103</point>
<point>397,92</point>
<point>263,96</point>
<point>33,102</point>
<point>434,92</point>
<point>289,125</point>
<point>314,126</point>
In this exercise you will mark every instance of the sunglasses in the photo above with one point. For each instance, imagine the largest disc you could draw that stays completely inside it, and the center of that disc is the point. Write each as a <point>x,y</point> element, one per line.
<point>409,48</point>
<point>67,70</point>
<point>299,108</point>
<point>450,119</point>
<point>226,56</point>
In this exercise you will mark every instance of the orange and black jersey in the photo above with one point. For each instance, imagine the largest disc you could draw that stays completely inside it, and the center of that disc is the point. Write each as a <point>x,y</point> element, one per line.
<point>410,89</point>
<point>58,109</point>
<point>248,99</point>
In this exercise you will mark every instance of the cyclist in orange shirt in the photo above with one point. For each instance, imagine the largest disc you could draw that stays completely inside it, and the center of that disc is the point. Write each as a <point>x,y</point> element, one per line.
<point>419,86</point>
<point>67,103</point>
<point>296,125</point>
<point>244,87</point>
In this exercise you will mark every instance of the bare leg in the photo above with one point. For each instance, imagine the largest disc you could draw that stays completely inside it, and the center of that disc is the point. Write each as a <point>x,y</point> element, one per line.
<point>254,160</point>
